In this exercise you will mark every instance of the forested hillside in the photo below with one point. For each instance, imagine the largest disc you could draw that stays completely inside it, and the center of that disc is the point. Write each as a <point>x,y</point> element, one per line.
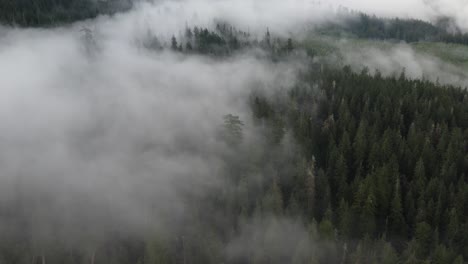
<point>55,12</point>
<point>378,175</point>
<point>225,40</point>
<point>381,177</point>
<point>389,162</point>
<point>118,148</point>
<point>410,30</point>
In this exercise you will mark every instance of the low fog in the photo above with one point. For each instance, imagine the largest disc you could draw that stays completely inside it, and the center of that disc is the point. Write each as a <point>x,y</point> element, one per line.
<point>429,10</point>
<point>392,61</point>
<point>106,135</point>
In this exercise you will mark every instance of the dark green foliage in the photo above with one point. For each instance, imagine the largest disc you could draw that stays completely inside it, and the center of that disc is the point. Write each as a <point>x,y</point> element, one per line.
<point>226,40</point>
<point>223,40</point>
<point>55,12</point>
<point>380,176</point>
<point>375,168</point>
<point>391,160</point>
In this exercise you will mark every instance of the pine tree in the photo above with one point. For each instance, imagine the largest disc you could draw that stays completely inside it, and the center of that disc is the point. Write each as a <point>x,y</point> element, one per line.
<point>368,221</point>
<point>174,45</point>
<point>345,219</point>
<point>273,200</point>
<point>420,177</point>
<point>397,225</point>
<point>290,45</point>
<point>188,47</point>
<point>232,130</point>
<point>310,187</point>
<point>326,228</point>
<point>423,238</point>
<point>389,254</point>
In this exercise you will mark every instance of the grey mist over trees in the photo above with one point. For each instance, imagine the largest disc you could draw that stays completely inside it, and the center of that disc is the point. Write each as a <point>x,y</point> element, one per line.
<point>421,9</point>
<point>55,12</point>
<point>101,137</point>
<point>120,144</point>
<point>392,59</point>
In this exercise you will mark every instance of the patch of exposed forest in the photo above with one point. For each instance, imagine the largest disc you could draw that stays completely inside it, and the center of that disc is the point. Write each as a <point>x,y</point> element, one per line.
<point>37,13</point>
<point>378,174</point>
<point>224,40</point>
<point>409,30</point>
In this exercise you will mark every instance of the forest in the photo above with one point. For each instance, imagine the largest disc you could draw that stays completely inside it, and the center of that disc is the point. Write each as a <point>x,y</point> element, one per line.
<point>56,12</point>
<point>225,41</point>
<point>340,165</point>
<point>397,29</point>
<point>48,13</point>
<point>379,177</point>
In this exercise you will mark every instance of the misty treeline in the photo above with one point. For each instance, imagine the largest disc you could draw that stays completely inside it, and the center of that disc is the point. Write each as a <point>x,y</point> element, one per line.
<point>343,167</point>
<point>377,174</point>
<point>40,13</point>
<point>409,30</point>
<point>224,40</point>
<point>379,177</point>
<point>34,13</point>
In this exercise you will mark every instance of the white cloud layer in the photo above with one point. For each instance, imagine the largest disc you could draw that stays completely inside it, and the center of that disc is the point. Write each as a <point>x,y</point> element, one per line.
<point>85,139</point>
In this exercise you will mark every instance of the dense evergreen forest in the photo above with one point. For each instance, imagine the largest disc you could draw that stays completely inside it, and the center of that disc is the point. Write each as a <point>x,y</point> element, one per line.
<point>409,30</point>
<point>381,177</point>
<point>56,12</point>
<point>375,168</point>
<point>389,159</point>
<point>225,40</point>
<point>378,174</point>
<point>59,12</point>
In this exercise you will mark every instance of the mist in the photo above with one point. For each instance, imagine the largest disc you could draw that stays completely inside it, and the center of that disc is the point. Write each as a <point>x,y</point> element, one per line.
<point>108,136</point>
<point>428,10</point>
<point>401,58</point>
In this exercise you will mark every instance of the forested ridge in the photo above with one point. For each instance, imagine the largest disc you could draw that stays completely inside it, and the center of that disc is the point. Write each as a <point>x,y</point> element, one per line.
<point>223,41</point>
<point>338,167</point>
<point>56,12</point>
<point>409,30</point>
<point>383,167</point>
<point>378,175</point>
<point>390,162</point>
